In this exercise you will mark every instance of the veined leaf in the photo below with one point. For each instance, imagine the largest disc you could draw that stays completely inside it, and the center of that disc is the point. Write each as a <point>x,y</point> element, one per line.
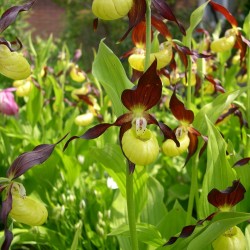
<point>219,173</point>
<point>146,233</point>
<point>109,71</point>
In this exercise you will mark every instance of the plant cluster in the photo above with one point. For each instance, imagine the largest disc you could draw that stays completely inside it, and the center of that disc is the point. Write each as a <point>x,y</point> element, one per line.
<point>156,158</point>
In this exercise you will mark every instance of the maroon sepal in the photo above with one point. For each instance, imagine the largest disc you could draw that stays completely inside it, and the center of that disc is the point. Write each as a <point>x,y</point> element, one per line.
<point>147,93</point>
<point>188,230</point>
<point>139,34</point>
<point>230,18</point>
<point>9,16</point>
<point>5,210</point>
<point>242,162</point>
<point>160,26</point>
<point>165,11</point>
<point>27,160</point>
<point>167,131</point>
<point>192,145</point>
<point>135,15</point>
<point>216,83</point>
<point>228,197</point>
<point>179,111</point>
<point>86,99</point>
<point>241,45</point>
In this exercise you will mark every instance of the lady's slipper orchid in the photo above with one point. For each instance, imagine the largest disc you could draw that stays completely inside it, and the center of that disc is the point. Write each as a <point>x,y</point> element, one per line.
<point>133,124</point>
<point>15,203</point>
<point>25,209</point>
<point>77,74</point>
<point>233,37</point>
<point>185,133</point>
<point>8,106</point>
<point>224,200</point>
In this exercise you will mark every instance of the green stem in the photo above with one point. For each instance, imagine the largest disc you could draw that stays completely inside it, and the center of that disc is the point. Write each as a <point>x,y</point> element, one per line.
<point>148,35</point>
<point>131,210</point>
<point>247,152</point>
<point>193,192</point>
<point>189,87</point>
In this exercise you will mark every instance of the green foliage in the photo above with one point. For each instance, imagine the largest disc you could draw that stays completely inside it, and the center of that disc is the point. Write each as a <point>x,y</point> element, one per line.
<point>84,187</point>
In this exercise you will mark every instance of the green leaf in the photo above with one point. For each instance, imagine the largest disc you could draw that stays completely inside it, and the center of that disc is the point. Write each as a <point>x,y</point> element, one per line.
<point>155,209</point>
<point>214,109</point>
<point>220,223</point>
<point>219,174</point>
<point>34,106</point>
<point>109,71</point>
<point>113,161</point>
<point>195,19</point>
<point>146,233</point>
<point>246,25</point>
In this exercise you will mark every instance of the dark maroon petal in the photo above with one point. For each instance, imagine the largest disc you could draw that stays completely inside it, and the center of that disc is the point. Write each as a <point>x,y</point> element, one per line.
<point>9,16</point>
<point>8,235</point>
<point>242,162</point>
<point>229,112</point>
<point>228,197</point>
<point>147,93</point>
<point>216,83</point>
<point>192,145</point>
<point>230,18</point>
<point>128,53</point>
<point>165,11</point>
<point>179,111</point>
<point>17,43</point>
<point>167,131</point>
<point>161,27</point>
<point>27,160</point>
<point>6,206</point>
<point>246,41</point>
<point>188,230</point>
<point>139,33</point>
<point>135,15</point>
<point>241,45</point>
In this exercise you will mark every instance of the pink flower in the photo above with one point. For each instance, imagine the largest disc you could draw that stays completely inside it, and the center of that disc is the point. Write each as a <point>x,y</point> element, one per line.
<point>8,106</point>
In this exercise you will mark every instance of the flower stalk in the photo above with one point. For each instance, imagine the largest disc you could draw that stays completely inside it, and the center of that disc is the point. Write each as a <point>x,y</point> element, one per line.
<point>131,210</point>
<point>148,35</point>
<point>247,153</point>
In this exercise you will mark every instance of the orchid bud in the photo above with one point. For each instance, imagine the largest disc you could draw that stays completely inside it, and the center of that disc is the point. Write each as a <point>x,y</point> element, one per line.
<point>111,9</point>
<point>8,106</point>
<point>140,149</point>
<point>13,64</point>
<point>232,239</point>
<point>85,119</point>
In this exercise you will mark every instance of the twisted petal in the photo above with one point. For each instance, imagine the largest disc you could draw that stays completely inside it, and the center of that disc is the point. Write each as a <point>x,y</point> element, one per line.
<point>27,160</point>
<point>9,16</point>
<point>5,210</point>
<point>147,93</point>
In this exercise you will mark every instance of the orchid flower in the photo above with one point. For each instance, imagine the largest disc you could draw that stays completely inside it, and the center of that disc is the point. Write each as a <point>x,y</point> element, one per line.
<point>15,203</point>
<point>13,64</point>
<point>138,143</point>
<point>8,106</point>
